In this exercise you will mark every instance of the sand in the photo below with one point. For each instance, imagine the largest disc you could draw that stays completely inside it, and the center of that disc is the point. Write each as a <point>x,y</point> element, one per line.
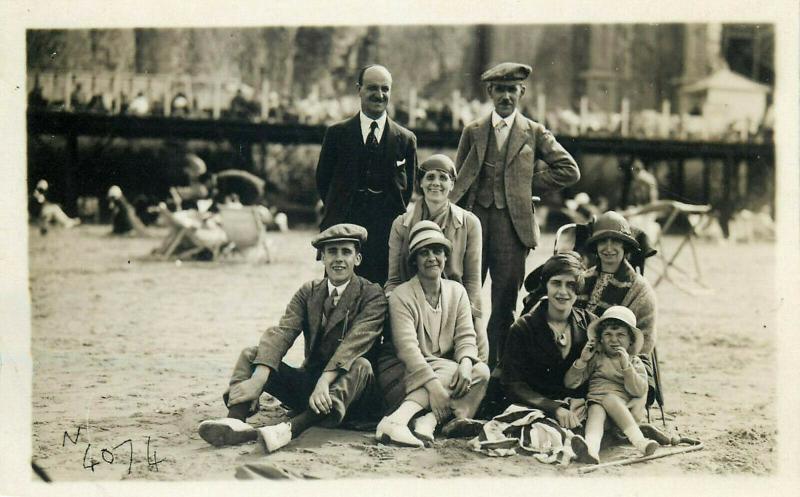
<point>132,350</point>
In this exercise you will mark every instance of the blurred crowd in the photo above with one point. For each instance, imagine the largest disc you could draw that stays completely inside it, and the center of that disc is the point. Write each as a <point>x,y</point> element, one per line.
<point>200,212</point>
<point>430,114</point>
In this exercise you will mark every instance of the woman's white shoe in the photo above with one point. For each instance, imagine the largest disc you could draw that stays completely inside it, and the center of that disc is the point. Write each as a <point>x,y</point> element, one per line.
<point>424,426</point>
<point>392,432</point>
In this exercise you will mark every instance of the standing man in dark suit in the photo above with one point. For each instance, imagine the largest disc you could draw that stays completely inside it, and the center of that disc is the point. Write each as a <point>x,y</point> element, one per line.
<point>365,173</point>
<point>340,317</point>
<point>496,179</point>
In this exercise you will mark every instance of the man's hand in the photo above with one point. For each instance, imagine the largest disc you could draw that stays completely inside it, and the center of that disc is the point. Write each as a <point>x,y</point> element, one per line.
<point>320,400</point>
<point>462,379</point>
<point>566,418</point>
<point>439,399</point>
<point>249,389</point>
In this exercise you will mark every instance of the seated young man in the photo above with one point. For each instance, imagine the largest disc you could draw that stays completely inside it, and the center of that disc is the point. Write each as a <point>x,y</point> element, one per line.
<point>340,317</point>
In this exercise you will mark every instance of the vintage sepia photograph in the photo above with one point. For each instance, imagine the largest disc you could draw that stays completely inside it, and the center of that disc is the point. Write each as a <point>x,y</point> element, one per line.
<point>377,250</point>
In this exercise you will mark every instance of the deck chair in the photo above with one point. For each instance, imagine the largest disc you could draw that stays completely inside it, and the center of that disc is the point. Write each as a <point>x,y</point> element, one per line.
<point>697,217</point>
<point>573,237</point>
<point>246,233</point>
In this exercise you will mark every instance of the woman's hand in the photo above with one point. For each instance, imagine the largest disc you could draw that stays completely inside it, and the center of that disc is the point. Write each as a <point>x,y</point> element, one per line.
<point>462,379</point>
<point>566,418</point>
<point>439,399</point>
<point>588,350</point>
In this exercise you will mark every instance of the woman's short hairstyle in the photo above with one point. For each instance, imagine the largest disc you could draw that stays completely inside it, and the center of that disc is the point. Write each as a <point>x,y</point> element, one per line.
<point>563,263</point>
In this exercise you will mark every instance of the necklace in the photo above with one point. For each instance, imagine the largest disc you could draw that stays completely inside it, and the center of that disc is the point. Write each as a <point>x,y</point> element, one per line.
<point>560,332</point>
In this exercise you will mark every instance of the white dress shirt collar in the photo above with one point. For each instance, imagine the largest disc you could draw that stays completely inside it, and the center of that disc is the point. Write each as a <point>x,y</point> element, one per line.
<point>366,121</point>
<point>339,289</point>
<point>509,120</point>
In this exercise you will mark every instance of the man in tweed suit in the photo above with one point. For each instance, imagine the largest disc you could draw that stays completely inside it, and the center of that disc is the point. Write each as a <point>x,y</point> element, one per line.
<point>340,317</point>
<point>496,179</point>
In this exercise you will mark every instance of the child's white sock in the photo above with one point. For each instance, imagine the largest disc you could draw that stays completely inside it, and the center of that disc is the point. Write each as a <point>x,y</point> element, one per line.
<point>637,439</point>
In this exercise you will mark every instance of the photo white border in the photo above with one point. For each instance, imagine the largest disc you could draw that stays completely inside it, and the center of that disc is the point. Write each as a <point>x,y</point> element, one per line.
<point>15,368</point>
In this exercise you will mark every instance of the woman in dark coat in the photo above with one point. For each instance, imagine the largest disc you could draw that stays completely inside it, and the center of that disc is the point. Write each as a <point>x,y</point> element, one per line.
<point>542,344</point>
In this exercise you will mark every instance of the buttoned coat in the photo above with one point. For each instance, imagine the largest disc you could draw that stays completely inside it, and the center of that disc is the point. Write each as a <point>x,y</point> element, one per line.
<point>337,168</point>
<point>358,319</point>
<point>528,141</point>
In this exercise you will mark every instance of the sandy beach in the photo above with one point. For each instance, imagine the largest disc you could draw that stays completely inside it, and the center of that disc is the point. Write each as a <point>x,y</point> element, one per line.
<point>136,353</point>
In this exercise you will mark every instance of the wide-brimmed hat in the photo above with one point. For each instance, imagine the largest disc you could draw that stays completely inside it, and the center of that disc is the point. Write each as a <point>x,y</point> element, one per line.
<point>344,232</point>
<point>424,234</point>
<point>612,225</point>
<point>625,315</point>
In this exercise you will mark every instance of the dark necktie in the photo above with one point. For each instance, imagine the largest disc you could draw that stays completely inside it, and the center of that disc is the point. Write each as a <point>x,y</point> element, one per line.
<point>330,303</point>
<point>372,140</point>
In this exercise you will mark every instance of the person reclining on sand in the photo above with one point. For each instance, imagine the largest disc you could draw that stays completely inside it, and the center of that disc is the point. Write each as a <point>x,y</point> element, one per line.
<point>124,220</point>
<point>340,317</point>
<point>44,213</point>
<point>202,230</point>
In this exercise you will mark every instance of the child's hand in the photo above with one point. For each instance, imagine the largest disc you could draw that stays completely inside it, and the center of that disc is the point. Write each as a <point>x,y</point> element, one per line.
<point>588,350</point>
<point>622,357</point>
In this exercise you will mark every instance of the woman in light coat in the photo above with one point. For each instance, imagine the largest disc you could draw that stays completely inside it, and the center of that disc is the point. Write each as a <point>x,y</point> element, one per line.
<point>431,370</point>
<point>436,176</point>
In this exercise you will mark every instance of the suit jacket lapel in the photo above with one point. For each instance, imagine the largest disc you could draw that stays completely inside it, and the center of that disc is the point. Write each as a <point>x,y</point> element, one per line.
<point>481,137</point>
<point>347,298</point>
<point>315,305</point>
<point>354,135</point>
<point>390,135</point>
<point>517,138</point>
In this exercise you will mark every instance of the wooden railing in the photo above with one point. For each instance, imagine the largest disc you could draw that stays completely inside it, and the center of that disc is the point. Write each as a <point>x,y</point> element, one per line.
<point>758,157</point>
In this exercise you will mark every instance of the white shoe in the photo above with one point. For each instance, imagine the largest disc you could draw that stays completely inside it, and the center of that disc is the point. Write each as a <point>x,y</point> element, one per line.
<point>276,436</point>
<point>390,431</point>
<point>226,431</point>
<point>647,447</point>
<point>424,426</point>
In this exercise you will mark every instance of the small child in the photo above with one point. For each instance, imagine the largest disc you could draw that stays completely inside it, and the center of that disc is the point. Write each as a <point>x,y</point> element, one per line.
<point>617,382</point>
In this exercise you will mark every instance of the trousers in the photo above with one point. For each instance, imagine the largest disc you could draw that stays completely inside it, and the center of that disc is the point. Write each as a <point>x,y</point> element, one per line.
<point>354,394</point>
<point>504,257</point>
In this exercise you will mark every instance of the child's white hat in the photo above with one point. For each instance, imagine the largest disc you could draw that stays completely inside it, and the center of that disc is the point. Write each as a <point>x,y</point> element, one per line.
<point>625,315</point>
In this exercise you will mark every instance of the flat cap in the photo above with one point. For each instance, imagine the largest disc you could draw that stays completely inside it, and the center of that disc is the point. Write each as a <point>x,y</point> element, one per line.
<point>508,72</point>
<point>343,232</point>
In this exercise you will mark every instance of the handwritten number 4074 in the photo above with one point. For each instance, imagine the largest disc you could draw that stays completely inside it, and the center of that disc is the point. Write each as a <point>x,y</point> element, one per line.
<point>109,455</point>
